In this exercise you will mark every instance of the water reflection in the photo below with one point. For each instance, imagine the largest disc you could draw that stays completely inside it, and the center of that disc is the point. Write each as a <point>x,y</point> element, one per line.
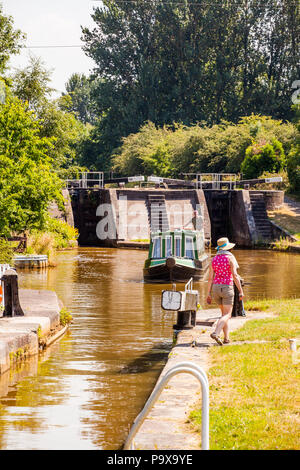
<point>86,390</point>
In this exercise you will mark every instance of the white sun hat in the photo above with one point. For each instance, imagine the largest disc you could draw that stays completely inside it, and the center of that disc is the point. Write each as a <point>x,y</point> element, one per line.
<point>224,244</point>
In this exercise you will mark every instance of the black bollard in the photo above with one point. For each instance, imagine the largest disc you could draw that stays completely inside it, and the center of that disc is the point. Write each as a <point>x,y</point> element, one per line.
<point>12,305</point>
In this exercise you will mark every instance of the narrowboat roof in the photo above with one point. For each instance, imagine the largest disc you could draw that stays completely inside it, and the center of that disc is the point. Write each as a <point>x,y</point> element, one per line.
<point>179,230</point>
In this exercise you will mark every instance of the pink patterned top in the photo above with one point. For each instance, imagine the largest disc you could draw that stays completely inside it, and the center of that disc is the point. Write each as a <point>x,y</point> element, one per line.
<point>221,267</point>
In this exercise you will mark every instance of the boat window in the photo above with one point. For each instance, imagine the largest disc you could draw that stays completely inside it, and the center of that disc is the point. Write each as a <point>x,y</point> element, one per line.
<point>156,253</point>
<point>189,247</point>
<point>177,246</point>
<point>168,247</point>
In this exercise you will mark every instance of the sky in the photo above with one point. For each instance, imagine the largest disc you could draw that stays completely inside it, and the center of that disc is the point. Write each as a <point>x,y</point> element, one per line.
<point>53,23</point>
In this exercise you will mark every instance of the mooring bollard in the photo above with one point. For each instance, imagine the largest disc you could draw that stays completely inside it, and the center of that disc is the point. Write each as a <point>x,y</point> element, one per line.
<point>12,305</point>
<point>184,302</point>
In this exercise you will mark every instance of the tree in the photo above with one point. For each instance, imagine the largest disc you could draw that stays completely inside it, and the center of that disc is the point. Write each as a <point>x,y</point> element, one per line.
<point>293,161</point>
<point>66,132</point>
<point>148,152</point>
<point>188,62</point>
<point>28,182</point>
<point>176,149</point>
<point>31,84</point>
<point>263,157</point>
<point>10,39</point>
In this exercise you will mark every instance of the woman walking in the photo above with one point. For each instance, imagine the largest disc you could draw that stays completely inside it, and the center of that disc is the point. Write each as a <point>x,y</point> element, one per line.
<point>222,277</point>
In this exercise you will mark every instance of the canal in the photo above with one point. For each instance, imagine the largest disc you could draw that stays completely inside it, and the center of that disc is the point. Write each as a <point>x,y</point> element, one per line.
<point>86,389</point>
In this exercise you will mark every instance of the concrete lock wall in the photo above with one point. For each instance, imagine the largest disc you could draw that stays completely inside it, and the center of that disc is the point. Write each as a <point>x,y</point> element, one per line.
<point>67,214</point>
<point>231,216</point>
<point>225,213</point>
<point>128,212</point>
<point>273,199</point>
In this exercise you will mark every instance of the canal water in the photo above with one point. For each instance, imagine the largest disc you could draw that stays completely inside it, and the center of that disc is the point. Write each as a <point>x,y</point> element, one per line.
<point>86,389</point>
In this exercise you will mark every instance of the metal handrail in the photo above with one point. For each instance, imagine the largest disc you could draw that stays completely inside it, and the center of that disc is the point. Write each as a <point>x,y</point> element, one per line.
<point>183,367</point>
<point>189,285</point>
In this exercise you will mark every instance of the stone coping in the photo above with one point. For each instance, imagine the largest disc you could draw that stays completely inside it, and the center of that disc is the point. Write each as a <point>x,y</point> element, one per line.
<point>21,336</point>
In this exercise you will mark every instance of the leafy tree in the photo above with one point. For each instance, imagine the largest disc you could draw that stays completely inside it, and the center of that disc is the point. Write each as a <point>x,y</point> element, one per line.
<point>147,152</point>
<point>196,149</point>
<point>262,157</point>
<point>293,162</point>
<point>66,132</point>
<point>28,182</point>
<point>10,39</point>
<point>31,84</point>
<point>188,62</point>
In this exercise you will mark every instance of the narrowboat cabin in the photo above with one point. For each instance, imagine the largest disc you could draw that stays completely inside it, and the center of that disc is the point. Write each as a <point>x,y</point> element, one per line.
<point>176,256</point>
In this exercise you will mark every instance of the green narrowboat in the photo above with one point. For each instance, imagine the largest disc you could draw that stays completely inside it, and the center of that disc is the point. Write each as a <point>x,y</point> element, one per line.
<point>176,256</point>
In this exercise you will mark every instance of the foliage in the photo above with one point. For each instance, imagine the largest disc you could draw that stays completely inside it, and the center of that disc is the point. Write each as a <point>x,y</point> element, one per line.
<point>167,62</point>
<point>31,83</point>
<point>65,317</point>
<point>146,152</point>
<point>262,156</point>
<point>55,235</point>
<point>78,98</point>
<point>10,39</point>
<point>66,132</point>
<point>182,149</point>
<point>28,182</point>
<point>6,252</point>
<point>65,234</point>
<point>282,186</point>
<point>72,172</point>
<point>293,162</point>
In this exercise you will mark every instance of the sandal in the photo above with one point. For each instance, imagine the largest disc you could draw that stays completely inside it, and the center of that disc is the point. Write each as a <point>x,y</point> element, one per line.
<point>226,341</point>
<point>216,338</point>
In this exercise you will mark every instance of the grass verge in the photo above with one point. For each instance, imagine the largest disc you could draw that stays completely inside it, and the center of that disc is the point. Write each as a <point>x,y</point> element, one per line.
<point>255,388</point>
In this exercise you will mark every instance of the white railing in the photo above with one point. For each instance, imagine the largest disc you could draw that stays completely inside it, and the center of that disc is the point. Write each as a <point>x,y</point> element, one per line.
<point>216,180</point>
<point>189,285</point>
<point>88,179</point>
<point>182,367</point>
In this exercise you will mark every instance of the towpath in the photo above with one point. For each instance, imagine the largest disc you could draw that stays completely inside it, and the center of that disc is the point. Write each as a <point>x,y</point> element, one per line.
<point>166,426</point>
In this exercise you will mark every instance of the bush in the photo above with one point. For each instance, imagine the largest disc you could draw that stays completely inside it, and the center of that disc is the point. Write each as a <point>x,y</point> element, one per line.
<point>176,149</point>
<point>147,152</point>
<point>261,157</point>
<point>293,168</point>
<point>65,236</point>
<point>58,235</point>
<point>65,317</point>
<point>293,163</point>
